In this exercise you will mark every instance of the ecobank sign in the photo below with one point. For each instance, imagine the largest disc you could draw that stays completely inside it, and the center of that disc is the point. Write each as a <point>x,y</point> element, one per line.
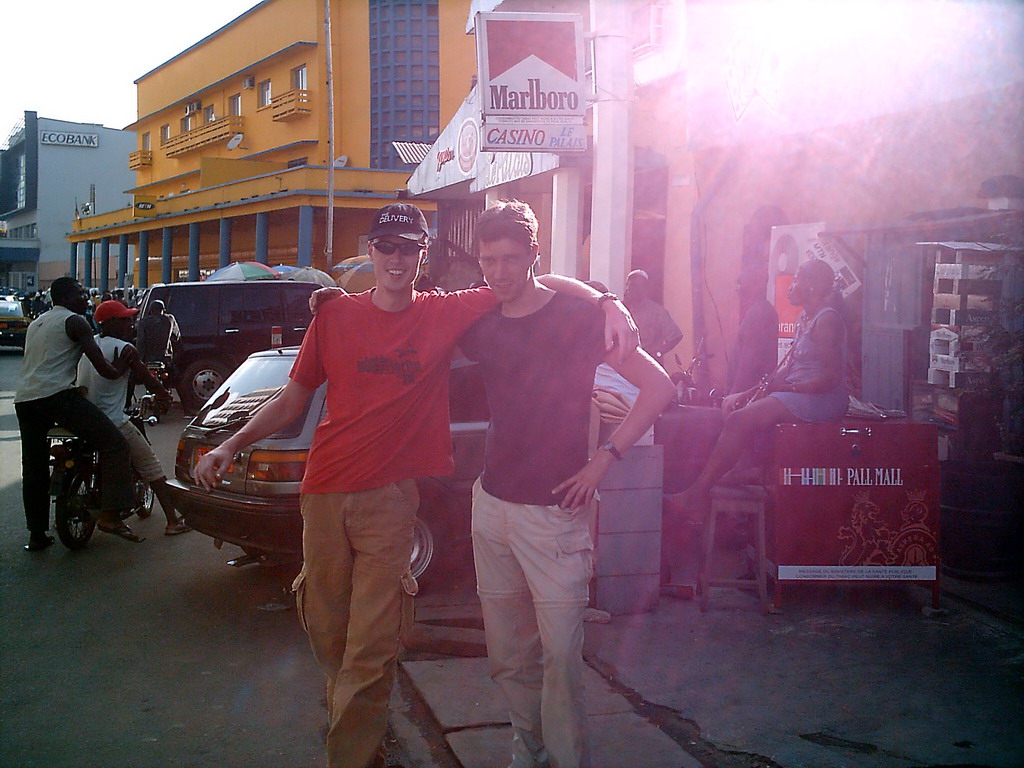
<point>66,139</point>
<point>531,73</point>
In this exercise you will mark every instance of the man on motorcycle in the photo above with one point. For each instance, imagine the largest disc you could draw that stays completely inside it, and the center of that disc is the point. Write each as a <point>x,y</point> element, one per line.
<point>115,321</point>
<point>47,397</point>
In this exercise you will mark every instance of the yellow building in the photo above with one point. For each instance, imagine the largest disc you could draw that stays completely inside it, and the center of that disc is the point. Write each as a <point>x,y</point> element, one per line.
<point>233,154</point>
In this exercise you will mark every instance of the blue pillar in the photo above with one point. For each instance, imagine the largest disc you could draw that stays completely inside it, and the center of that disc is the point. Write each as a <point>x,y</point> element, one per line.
<point>224,250</point>
<point>144,259</point>
<point>262,236</point>
<point>73,261</point>
<point>193,251</point>
<point>165,256</point>
<point>122,260</point>
<point>305,244</point>
<point>87,264</point>
<point>104,264</point>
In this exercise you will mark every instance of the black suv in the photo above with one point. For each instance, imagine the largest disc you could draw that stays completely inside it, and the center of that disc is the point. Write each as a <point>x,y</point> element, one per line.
<point>222,323</point>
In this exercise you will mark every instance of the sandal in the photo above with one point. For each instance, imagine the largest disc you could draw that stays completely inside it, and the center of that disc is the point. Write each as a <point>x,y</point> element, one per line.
<point>123,531</point>
<point>38,542</point>
<point>179,527</point>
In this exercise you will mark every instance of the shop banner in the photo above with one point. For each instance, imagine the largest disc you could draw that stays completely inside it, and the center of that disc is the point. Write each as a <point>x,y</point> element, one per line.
<point>532,85</point>
<point>457,157</point>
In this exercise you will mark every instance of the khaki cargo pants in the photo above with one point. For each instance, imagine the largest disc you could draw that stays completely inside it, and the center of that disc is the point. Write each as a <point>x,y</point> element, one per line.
<point>356,549</point>
<point>533,568</point>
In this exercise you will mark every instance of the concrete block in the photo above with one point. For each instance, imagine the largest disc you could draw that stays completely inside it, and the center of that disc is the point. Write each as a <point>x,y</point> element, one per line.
<point>641,467</point>
<point>620,511</point>
<point>628,553</point>
<point>625,594</point>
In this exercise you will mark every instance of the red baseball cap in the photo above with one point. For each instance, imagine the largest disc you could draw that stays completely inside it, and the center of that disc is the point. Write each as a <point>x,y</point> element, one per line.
<point>111,309</point>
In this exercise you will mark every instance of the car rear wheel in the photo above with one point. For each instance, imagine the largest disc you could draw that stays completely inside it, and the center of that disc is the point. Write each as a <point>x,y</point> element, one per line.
<point>199,381</point>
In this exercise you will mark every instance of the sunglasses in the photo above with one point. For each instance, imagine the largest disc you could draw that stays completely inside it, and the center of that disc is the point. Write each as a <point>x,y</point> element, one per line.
<point>406,249</point>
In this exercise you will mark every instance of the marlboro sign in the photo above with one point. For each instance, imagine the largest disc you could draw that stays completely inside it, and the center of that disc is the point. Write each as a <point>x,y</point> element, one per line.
<point>532,89</point>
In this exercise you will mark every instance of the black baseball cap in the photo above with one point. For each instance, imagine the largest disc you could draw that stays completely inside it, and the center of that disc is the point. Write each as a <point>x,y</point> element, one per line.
<point>399,219</point>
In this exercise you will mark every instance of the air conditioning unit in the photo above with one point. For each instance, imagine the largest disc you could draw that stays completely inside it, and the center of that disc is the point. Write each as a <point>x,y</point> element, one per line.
<point>249,82</point>
<point>193,106</point>
<point>649,26</point>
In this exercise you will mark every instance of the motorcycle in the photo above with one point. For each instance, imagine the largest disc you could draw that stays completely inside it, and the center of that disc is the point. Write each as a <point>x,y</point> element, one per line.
<point>691,383</point>
<point>162,372</point>
<point>75,480</point>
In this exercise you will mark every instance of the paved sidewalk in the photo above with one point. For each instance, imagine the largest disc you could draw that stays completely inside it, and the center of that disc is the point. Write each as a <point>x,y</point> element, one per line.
<point>848,676</point>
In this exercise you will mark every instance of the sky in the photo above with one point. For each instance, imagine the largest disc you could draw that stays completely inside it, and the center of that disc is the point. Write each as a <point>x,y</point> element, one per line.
<point>78,61</point>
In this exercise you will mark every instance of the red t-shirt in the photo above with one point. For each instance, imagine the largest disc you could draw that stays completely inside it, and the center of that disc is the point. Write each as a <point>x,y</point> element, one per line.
<point>387,387</point>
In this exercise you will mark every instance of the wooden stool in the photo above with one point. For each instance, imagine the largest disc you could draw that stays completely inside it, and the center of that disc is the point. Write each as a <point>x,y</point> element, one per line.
<point>749,501</point>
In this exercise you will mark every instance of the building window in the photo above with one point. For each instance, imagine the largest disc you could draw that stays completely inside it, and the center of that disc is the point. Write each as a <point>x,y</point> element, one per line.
<point>235,105</point>
<point>165,134</point>
<point>186,123</point>
<point>263,95</point>
<point>299,78</point>
<point>145,142</point>
<point>298,162</point>
<point>209,115</point>
<point>21,185</point>
<point>403,62</point>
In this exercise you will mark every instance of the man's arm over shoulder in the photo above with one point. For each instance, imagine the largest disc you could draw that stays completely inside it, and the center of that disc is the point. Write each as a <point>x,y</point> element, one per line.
<point>620,333</point>
<point>79,331</point>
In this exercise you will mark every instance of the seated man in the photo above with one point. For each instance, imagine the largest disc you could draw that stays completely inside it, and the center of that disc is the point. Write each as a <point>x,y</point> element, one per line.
<point>115,321</point>
<point>158,334</point>
<point>807,387</point>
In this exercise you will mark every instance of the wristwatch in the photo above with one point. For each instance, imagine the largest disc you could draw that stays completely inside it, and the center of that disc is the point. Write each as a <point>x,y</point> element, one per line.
<point>610,447</point>
<point>606,297</point>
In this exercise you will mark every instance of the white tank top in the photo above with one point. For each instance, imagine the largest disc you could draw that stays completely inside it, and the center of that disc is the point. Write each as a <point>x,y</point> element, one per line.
<point>51,357</point>
<point>106,394</point>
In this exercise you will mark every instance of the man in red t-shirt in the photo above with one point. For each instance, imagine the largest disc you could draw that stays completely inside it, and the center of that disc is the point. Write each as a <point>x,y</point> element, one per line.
<point>385,355</point>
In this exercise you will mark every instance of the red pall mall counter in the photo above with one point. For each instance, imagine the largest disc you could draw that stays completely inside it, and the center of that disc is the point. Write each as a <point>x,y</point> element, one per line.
<point>854,501</point>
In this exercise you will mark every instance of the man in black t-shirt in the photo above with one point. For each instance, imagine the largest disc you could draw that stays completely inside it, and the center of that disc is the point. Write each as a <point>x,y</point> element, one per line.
<point>531,506</point>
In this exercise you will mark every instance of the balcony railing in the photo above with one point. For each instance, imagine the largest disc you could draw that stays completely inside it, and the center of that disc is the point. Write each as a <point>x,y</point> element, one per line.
<point>141,159</point>
<point>291,105</point>
<point>204,135</point>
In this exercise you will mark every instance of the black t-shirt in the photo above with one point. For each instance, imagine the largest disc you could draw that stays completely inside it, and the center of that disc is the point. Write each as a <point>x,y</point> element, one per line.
<point>539,373</point>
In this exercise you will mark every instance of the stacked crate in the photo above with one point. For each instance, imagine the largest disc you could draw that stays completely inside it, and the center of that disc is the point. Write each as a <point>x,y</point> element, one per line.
<point>967,291</point>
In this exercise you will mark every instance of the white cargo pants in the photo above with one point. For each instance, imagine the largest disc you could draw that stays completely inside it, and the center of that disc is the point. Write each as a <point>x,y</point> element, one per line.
<point>533,567</point>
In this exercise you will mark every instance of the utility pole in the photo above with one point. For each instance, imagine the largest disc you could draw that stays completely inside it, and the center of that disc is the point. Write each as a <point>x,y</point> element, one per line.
<point>611,228</point>
<point>329,50</point>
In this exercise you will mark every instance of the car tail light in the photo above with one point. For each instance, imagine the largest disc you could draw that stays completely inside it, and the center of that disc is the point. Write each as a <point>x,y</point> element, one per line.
<point>277,466</point>
<point>182,461</point>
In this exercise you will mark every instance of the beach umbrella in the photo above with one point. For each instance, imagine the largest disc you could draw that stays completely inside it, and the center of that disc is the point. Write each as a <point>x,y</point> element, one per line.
<point>355,274</point>
<point>309,275</point>
<point>244,270</point>
<point>282,268</point>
